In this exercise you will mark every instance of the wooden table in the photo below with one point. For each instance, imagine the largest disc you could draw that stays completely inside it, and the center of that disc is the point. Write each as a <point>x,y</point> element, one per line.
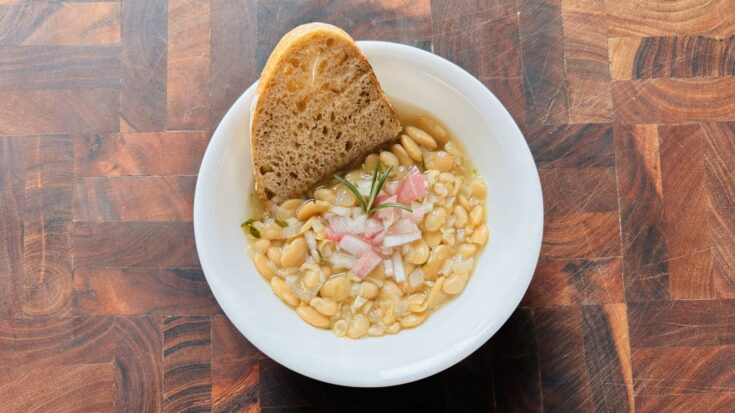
<point>106,109</point>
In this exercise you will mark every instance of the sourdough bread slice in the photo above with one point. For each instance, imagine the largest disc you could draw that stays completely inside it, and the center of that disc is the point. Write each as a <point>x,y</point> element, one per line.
<point>319,107</point>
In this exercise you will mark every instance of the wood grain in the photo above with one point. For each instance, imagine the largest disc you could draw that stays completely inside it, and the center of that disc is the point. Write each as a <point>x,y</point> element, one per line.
<point>405,21</point>
<point>607,357</point>
<point>469,384</point>
<point>235,369</point>
<point>425,395</point>
<point>163,153</point>
<point>565,383</point>
<point>509,90</point>
<point>60,24</point>
<point>571,146</point>
<point>12,192</point>
<point>517,380</point>
<point>576,282</point>
<point>544,79</point>
<point>233,65</point>
<point>289,391</point>
<point>681,323</point>
<point>584,235</point>
<point>686,212</point>
<point>58,111</point>
<point>664,18</point>
<point>711,402</point>
<point>674,100</point>
<point>573,191</point>
<point>56,341</point>
<point>719,147</point>
<point>188,64</point>
<point>144,59</point>
<point>671,57</point>
<point>187,375</point>
<point>684,370</point>
<point>82,387</point>
<point>586,60</point>
<point>645,256</point>
<point>47,269</point>
<point>59,67</point>
<point>142,291</point>
<point>482,37</point>
<point>150,198</point>
<point>134,244</point>
<point>138,358</point>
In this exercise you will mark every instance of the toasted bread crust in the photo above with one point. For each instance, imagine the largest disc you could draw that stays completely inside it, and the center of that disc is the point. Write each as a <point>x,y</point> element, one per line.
<point>270,95</point>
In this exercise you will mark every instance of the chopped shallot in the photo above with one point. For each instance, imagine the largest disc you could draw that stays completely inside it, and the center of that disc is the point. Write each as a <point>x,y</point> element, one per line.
<point>311,242</point>
<point>388,215</point>
<point>402,232</point>
<point>353,245</point>
<point>332,236</point>
<point>381,198</point>
<point>412,187</point>
<point>341,211</point>
<point>417,214</point>
<point>341,260</point>
<point>377,239</point>
<point>398,272</point>
<point>404,226</point>
<point>388,265</point>
<point>292,229</point>
<point>372,228</point>
<point>343,225</point>
<point>394,240</point>
<point>366,263</point>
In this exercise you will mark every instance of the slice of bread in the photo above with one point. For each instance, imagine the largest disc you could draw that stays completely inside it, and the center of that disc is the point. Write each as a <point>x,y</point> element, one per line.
<point>319,107</point>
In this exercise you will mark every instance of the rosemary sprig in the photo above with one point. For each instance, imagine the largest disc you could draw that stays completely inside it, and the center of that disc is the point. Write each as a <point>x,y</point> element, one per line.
<point>379,177</point>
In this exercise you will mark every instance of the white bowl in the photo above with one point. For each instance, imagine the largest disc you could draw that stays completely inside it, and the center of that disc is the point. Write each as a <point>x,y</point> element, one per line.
<point>515,219</point>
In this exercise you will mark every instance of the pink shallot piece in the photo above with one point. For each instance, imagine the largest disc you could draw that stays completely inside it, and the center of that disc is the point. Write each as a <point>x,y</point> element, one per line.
<point>403,226</point>
<point>388,215</point>
<point>372,228</point>
<point>412,187</point>
<point>343,225</point>
<point>353,245</point>
<point>416,215</point>
<point>332,236</point>
<point>366,263</point>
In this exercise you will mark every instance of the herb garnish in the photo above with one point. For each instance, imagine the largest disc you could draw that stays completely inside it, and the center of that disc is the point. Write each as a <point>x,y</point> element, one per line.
<point>250,228</point>
<point>379,177</point>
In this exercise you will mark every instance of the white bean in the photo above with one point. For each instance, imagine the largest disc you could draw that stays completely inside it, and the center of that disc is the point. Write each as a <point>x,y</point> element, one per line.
<point>358,326</point>
<point>310,315</point>
<point>282,291</point>
<point>420,137</point>
<point>294,253</point>
<point>411,148</point>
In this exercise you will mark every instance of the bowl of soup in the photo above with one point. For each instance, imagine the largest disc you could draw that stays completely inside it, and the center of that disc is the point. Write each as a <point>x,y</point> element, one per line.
<point>370,295</point>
